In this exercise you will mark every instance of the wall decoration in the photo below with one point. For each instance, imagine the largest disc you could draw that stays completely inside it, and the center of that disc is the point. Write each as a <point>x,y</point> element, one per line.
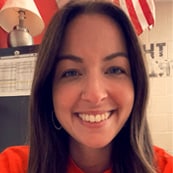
<point>159,63</point>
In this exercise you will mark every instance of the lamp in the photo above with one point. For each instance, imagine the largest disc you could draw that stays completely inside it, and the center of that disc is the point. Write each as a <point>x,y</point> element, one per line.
<point>22,20</point>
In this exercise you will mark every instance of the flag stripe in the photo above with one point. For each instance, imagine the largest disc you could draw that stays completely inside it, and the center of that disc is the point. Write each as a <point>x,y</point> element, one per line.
<point>133,16</point>
<point>147,11</point>
<point>140,14</point>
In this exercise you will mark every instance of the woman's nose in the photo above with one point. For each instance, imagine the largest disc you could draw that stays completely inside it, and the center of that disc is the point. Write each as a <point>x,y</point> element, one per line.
<point>94,91</point>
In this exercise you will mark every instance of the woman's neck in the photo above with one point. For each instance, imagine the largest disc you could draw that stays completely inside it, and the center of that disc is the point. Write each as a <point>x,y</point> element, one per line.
<point>90,160</point>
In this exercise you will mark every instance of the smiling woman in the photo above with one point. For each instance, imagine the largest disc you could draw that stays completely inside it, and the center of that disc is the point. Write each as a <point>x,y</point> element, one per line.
<point>82,77</point>
<point>90,80</point>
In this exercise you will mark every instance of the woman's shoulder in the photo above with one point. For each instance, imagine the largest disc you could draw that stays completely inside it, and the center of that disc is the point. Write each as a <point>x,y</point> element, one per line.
<point>14,159</point>
<point>164,160</point>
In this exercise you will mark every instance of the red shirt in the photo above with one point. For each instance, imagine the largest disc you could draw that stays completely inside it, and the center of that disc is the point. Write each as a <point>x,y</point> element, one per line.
<point>15,160</point>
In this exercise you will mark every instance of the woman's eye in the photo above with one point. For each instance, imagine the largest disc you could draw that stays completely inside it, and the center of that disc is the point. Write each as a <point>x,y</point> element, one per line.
<point>70,73</point>
<point>115,70</point>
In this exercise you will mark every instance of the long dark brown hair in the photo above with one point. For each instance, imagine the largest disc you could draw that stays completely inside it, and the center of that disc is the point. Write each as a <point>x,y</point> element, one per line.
<point>49,148</point>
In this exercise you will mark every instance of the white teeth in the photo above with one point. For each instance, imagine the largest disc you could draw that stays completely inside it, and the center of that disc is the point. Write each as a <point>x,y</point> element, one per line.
<point>94,118</point>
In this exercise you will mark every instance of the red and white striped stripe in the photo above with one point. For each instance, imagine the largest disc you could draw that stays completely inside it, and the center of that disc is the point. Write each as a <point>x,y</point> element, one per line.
<point>141,13</point>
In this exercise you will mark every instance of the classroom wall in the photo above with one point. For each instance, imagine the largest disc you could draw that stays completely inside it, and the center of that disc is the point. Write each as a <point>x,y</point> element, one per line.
<point>158,45</point>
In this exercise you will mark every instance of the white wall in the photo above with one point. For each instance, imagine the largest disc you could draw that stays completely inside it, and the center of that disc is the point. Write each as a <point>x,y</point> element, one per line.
<point>159,46</point>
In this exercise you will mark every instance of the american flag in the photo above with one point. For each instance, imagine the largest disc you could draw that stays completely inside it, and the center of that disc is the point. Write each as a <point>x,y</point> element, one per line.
<point>140,12</point>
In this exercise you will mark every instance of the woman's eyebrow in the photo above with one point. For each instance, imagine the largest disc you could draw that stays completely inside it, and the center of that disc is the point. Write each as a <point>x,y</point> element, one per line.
<point>115,55</point>
<point>70,57</point>
<point>80,60</point>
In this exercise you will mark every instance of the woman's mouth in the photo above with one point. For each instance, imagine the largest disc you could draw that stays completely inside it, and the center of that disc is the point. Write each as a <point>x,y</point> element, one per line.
<point>94,118</point>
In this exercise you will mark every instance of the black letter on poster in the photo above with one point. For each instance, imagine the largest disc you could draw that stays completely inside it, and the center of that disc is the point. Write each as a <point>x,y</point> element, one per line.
<point>150,51</point>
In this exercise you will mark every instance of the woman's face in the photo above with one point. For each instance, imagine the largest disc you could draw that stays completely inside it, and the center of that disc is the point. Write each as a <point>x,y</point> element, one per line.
<point>93,92</point>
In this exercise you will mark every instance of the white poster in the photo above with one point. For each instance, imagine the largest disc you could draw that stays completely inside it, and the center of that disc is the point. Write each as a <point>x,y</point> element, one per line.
<point>16,74</point>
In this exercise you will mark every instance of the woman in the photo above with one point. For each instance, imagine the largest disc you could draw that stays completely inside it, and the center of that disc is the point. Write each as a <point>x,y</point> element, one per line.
<point>89,97</point>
